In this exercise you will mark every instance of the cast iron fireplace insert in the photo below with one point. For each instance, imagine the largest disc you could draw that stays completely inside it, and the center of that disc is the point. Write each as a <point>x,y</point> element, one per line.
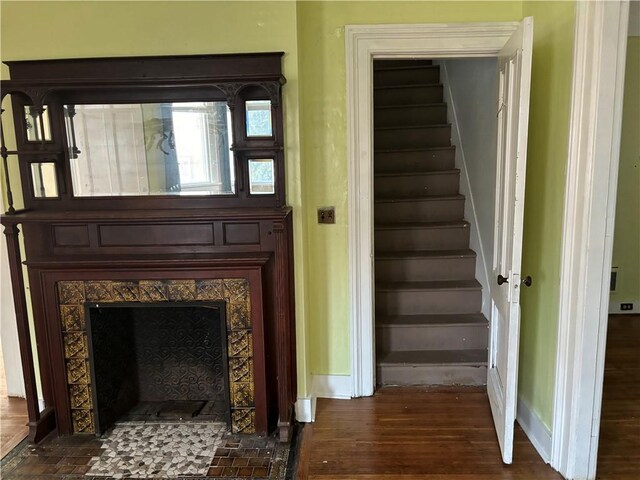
<point>158,362</point>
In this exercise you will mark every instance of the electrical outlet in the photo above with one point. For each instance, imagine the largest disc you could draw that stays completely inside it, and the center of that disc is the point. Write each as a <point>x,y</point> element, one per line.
<point>326,215</point>
<point>626,306</point>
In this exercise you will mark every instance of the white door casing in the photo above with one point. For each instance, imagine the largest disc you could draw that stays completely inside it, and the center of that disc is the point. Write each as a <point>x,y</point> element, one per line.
<point>513,119</point>
<point>363,44</point>
<point>587,238</point>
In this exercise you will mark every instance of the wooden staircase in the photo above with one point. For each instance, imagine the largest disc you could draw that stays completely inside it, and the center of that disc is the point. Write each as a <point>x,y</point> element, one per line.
<point>429,329</point>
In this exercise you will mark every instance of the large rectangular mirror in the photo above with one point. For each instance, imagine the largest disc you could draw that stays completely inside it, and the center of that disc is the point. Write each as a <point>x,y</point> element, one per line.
<point>179,148</point>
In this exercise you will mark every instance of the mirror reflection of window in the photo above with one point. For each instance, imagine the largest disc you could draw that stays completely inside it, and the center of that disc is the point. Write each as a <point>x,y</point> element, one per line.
<point>258,118</point>
<point>43,180</point>
<point>202,139</point>
<point>34,126</point>
<point>150,149</point>
<point>261,176</point>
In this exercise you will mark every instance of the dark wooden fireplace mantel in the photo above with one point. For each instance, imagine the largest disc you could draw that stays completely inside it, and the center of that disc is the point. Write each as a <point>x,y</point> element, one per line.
<point>133,239</point>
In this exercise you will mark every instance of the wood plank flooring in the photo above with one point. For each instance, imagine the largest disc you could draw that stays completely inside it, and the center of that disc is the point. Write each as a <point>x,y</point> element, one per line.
<point>411,433</point>
<point>619,449</point>
<point>13,417</point>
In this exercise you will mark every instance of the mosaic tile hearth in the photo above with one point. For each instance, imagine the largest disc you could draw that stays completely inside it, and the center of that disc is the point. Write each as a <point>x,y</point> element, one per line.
<point>235,292</point>
<point>158,450</point>
<point>151,451</point>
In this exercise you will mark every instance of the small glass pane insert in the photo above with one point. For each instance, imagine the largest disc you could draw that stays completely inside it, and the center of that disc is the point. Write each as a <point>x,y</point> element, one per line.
<point>259,118</point>
<point>33,125</point>
<point>261,176</point>
<point>43,176</point>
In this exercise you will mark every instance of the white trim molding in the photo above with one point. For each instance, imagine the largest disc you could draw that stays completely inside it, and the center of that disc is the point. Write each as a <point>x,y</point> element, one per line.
<point>332,386</point>
<point>363,44</point>
<point>537,432</point>
<point>306,409</point>
<point>587,238</point>
<point>323,386</point>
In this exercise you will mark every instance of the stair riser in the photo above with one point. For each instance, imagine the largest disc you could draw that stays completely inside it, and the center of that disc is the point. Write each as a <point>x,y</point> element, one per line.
<point>425,269</point>
<point>383,78</point>
<point>432,375</point>
<point>419,185</point>
<point>408,96</point>
<point>422,239</point>
<point>432,337</point>
<point>406,162</point>
<point>425,115</point>
<point>411,302</point>
<point>413,138</point>
<point>421,211</point>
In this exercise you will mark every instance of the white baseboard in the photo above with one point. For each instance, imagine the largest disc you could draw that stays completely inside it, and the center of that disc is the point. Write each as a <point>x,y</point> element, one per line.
<point>306,409</point>
<point>537,432</point>
<point>332,386</point>
<point>614,306</point>
<point>323,386</point>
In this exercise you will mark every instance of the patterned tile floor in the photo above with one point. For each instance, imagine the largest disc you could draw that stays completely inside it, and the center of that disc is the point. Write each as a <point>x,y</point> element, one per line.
<point>151,451</point>
<point>147,450</point>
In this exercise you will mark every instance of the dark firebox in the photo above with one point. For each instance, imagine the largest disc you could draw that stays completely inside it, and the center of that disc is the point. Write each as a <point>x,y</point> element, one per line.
<point>152,362</point>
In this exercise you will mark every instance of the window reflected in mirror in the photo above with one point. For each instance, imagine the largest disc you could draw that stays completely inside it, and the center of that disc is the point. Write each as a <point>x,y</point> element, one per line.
<point>180,148</point>
<point>258,118</point>
<point>43,178</point>
<point>261,176</point>
<point>34,126</point>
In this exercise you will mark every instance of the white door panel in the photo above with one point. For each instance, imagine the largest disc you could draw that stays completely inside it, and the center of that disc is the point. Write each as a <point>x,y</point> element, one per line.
<point>513,119</point>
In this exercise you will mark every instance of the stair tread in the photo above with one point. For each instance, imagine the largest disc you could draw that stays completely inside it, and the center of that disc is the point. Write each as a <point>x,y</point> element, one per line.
<point>433,357</point>
<point>416,225</point>
<point>410,127</point>
<point>452,171</point>
<point>431,320</point>
<point>385,255</point>
<point>471,284</point>
<point>411,105</point>
<point>414,85</point>
<point>413,149</point>
<point>416,198</point>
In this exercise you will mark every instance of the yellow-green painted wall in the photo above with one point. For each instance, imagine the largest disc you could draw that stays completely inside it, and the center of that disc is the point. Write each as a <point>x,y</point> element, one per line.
<point>544,199</point>
<point>312,35</point>
<point>324,149</point>
<point>626,240</point>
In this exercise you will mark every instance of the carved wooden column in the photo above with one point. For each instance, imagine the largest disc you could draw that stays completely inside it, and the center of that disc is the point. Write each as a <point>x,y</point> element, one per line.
<point>11,231</point>
<point>284,336</point>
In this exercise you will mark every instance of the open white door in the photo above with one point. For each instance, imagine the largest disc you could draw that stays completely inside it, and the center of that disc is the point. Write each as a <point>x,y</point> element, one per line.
<point>513,120</point>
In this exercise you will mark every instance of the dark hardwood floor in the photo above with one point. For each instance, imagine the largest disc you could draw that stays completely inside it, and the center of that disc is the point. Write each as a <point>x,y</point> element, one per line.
<point>412,433</point>
<point>13,417</point>
<point>619,450</point>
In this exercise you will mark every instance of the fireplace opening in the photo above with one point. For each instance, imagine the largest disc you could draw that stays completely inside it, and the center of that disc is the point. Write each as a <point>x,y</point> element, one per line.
<point>158,362</point>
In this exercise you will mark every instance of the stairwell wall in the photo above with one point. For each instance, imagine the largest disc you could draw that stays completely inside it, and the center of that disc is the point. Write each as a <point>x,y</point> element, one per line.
<point>471,93</point>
